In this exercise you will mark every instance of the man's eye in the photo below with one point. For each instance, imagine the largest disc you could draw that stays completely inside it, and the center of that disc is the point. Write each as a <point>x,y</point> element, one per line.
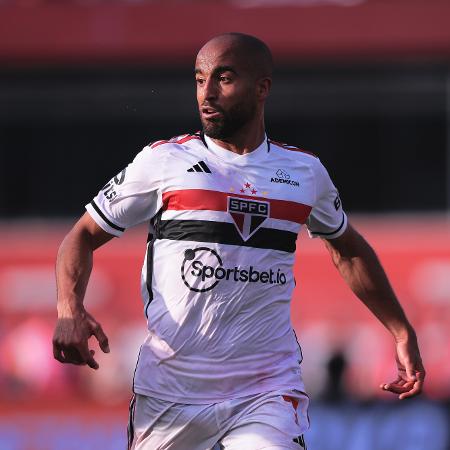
<point>225,79</point>
<point>199,80</point>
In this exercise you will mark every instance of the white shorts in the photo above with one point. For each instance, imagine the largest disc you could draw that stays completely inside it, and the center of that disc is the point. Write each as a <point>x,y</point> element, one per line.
<point>273,420</point>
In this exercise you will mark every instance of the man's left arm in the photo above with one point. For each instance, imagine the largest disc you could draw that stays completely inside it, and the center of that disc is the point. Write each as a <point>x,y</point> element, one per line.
<point>359,266</point>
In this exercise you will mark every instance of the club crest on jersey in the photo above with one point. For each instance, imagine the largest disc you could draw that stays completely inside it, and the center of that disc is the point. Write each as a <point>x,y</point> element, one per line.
<point>248,215</point>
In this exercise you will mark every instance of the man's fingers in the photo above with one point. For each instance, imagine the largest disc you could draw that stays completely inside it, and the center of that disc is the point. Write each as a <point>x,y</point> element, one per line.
<point>416,390</point>
<point>91,362</point>
<point>76,357</point>
<point>405,388</point>
<point>57,354</point>
<point>66,355</point>
<point>385,386</point>
<point>88,357</point>
<point>70,341</point>
<point>59,358</point>
<point>73,356</point>
<point>398,388</point>
<point>101,338</point>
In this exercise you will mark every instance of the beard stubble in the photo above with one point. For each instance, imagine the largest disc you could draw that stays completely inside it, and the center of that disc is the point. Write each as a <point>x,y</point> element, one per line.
<point>231,121</point>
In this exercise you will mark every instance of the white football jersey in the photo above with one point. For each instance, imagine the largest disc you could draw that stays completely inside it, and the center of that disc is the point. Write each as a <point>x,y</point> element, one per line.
<point>217,278</point>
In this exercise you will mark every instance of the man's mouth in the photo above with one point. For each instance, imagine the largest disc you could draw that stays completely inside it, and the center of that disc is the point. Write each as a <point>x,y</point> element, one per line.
<point>210,113</point>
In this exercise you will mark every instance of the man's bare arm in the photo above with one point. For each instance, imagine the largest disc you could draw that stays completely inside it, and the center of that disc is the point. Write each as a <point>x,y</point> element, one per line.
<point>359,266</point>
<point>75,325</point>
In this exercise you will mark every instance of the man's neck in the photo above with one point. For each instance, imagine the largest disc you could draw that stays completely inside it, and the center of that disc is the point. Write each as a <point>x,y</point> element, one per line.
<point>244,141</point>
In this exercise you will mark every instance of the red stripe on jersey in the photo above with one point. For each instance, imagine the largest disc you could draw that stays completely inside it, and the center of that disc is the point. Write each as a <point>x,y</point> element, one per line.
<point>187,138</point>
<point>157,143</point>
<point>202,199</point>
<point>292,148</point>
<point>176,140</point>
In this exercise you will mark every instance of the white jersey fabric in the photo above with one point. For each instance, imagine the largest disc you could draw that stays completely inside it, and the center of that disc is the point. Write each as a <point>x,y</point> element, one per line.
<point>217,278</point>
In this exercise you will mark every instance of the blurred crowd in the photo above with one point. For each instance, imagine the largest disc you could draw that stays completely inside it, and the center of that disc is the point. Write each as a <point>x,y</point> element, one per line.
<point>28,371</point>
<point>335,368</point>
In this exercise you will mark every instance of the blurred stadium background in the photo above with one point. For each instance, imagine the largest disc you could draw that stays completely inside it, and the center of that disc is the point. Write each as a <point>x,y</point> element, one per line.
<point>365,84</point>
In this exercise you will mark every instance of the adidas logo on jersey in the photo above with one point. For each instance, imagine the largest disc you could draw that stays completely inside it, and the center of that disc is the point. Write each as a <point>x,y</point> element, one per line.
<point>200,167</point>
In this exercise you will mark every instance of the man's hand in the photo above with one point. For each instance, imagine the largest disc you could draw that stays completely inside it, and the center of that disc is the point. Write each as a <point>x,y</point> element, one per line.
<point>70,340</point>
<point>411,373</point>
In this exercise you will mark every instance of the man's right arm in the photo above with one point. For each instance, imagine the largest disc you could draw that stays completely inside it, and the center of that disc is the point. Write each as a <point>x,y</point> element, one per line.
<point>75,325</point>
<point>129,198</point>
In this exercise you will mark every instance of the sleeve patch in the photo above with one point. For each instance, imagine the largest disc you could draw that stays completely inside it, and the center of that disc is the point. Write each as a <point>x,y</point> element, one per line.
<point>337,202</point>
<point>109,188</point>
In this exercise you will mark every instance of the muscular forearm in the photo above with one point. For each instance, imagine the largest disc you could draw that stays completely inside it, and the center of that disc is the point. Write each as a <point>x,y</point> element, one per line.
<point>361,269</point>
<point>74,264</point>
<point>75,325</point>
<point>73,268</point>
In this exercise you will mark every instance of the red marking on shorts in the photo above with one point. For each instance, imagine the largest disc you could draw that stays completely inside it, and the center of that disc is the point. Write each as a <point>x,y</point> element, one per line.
<point>294,402</point>
<point>291,400</point>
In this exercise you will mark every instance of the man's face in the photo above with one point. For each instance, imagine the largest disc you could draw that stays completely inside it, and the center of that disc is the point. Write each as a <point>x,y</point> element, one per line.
<point>226,91</point>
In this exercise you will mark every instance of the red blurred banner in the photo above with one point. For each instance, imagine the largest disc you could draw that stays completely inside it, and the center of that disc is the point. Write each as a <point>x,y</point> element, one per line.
<point>171,32</point>
<point>326,315</point>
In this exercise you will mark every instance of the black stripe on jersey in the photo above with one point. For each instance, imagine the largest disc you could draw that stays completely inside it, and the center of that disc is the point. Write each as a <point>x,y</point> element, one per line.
<point>100,213</point>
<point>333,232</point>
<point>202,137</point>
<point>150,251</point>
<point>155,225</point>
<point>204,166</point>
<point>226,233</point>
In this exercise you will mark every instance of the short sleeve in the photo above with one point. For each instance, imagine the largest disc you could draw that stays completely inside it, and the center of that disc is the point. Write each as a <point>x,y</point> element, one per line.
<point>131,197</point>
<point>327,218</point>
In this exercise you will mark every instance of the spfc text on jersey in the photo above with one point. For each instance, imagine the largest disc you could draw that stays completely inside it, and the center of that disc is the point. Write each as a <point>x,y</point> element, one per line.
<point>243,206</point>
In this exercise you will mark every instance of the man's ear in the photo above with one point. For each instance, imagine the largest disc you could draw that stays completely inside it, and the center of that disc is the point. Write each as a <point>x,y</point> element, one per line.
<point>263,88</point>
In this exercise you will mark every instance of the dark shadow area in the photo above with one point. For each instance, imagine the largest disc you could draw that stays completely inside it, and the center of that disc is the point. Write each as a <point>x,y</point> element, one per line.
<point>65,131</point>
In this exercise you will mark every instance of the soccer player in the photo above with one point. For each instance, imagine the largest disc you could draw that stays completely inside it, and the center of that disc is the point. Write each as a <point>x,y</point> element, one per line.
<point>221,362</point>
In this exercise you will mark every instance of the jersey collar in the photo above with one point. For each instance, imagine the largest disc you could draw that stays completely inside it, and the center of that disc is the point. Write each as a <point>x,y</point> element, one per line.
<point>228,155</point>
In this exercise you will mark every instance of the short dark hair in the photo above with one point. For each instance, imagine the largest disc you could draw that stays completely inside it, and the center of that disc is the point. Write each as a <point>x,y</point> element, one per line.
<point>255,51</point>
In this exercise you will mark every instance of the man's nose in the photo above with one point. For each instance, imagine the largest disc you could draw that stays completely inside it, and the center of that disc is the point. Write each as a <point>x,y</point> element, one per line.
<point>210,90</point>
